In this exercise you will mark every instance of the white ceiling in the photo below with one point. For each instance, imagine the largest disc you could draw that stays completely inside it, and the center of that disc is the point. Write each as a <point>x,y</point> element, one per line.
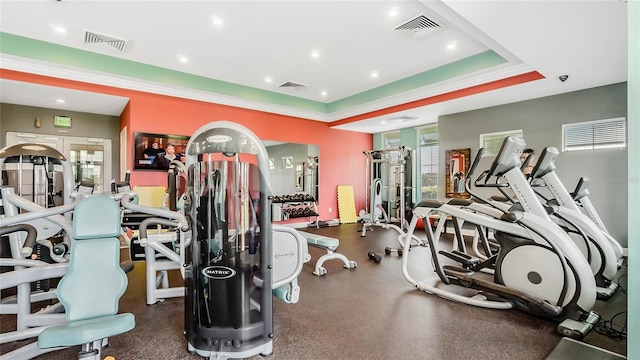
<point>583,39</point>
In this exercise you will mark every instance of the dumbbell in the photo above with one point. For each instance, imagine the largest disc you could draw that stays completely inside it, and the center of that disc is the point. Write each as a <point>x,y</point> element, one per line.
<point>373,256</point>
<point>389,250</point>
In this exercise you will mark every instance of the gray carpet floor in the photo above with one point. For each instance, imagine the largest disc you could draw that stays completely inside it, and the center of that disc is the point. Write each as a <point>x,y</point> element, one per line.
<point>370,312</point>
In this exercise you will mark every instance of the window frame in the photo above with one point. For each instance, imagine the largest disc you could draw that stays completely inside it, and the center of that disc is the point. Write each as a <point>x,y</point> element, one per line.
<point>395,134</point>
<point>436,145</point>
<point>489,150</point>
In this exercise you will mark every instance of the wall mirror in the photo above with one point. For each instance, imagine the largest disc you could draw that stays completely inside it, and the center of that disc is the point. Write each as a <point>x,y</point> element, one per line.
<point>295,169</point>
<point>457,167</point>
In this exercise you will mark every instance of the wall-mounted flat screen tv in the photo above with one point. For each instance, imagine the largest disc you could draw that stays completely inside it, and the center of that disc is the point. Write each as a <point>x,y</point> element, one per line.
<point>155,151</point>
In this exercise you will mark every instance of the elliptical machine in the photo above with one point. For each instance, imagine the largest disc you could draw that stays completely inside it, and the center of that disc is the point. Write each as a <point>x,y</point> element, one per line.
<point>599,249</point>
<point>580,196</point>
<point>537,268</point>
<point>228,269</point>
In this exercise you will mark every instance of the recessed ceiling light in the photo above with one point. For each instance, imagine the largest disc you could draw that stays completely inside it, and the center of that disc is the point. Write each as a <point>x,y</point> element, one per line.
<point>217,21</point>
<point>393,12</point>
<point>323,93</point>
<point>374,74</point>
<point>60,101</point>
<point>268,80</point>
<point>58,29</point>
<point>452,45</point>
<point>383,122</point>
<point>183,59</point>
<point>315,54</point>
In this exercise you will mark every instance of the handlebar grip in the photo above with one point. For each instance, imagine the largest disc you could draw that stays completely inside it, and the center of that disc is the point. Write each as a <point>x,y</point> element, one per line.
<point>29,242</point>
<point>475,162</point>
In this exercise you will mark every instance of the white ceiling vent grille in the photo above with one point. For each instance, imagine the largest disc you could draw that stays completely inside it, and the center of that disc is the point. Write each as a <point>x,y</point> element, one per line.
<point>418,27</point>
<point>105,41</point>
<point>291,85</point>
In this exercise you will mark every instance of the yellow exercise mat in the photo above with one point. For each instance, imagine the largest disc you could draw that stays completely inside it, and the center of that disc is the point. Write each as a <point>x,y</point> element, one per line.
<point>346,204</point>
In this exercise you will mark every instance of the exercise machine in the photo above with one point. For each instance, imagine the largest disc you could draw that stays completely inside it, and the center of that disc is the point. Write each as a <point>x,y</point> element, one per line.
<point>594,245</point>
<point>577,201</point>
<point>592,242</point>
<point>36,203</point>
<point>389,192</point>
<point>163,234</point>
<point>537,267</point>
<point>228,205</point>
<point>389,187</point>
<point>24,272</point>
<point>93,285</point>
<point>581,197</point>
<point>37,177</point>
<point>599,249</point>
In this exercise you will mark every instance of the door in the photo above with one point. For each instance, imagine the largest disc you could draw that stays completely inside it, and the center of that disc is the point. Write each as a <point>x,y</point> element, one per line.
<point>90,158</point>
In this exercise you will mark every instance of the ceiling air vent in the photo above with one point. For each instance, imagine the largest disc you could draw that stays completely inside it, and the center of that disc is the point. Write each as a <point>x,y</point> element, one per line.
<point>105,41</point>
<point>291,85</point>
<point>417,27</point>
<point>403,118</point>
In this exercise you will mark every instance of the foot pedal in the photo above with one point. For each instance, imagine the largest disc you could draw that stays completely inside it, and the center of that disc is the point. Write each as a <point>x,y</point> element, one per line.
<point>578,329</point>
<point>465,259</point>
<point>605,293</point>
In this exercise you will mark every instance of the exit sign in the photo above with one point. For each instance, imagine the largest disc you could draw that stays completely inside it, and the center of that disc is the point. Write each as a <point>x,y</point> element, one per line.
<point>62,121</point>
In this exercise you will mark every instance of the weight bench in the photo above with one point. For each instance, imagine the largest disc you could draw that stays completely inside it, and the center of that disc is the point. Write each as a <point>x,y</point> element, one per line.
<point>330,245</point>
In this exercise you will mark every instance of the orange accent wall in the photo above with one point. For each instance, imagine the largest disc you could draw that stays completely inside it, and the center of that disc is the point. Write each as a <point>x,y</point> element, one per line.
<point>340,152</point>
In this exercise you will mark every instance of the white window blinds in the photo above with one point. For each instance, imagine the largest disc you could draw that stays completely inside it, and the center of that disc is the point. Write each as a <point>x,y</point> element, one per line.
<point>592,135</point>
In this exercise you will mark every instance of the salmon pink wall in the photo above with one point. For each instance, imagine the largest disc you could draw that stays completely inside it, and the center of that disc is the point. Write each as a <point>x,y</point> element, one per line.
<point>340,152</point>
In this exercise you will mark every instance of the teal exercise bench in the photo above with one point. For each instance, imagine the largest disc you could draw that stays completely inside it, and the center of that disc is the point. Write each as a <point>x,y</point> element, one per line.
<point>330,245</point>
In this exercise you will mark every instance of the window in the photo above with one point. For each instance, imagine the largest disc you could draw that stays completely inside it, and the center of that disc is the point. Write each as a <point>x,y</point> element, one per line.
<point>428,142</point>
<point>391,140</point>
<point>592,135</point>
<point>491,142</point>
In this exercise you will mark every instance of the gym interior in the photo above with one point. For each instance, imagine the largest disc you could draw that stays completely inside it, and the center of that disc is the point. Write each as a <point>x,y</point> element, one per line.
<point>350,180</point>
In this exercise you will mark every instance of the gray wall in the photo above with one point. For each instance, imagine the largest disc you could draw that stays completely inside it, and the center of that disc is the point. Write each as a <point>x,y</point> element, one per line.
<point>22,118</point>
<point>541,121</point>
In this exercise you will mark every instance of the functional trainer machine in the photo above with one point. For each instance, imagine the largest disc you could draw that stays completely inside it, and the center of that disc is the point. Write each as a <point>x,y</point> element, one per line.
<point>228,270</point>
<point>389,186</point>
<point>389,192</point>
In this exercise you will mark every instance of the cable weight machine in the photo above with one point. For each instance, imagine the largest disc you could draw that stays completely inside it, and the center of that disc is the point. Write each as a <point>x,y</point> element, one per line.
<point>389,178</point>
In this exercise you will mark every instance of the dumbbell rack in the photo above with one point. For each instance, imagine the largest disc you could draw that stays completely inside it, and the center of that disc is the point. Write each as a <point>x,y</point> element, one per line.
<point>297,206</point>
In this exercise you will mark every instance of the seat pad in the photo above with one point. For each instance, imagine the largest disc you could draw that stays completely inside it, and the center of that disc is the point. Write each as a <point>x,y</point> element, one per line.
<point>319,240</point>
<point>85,331</point>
